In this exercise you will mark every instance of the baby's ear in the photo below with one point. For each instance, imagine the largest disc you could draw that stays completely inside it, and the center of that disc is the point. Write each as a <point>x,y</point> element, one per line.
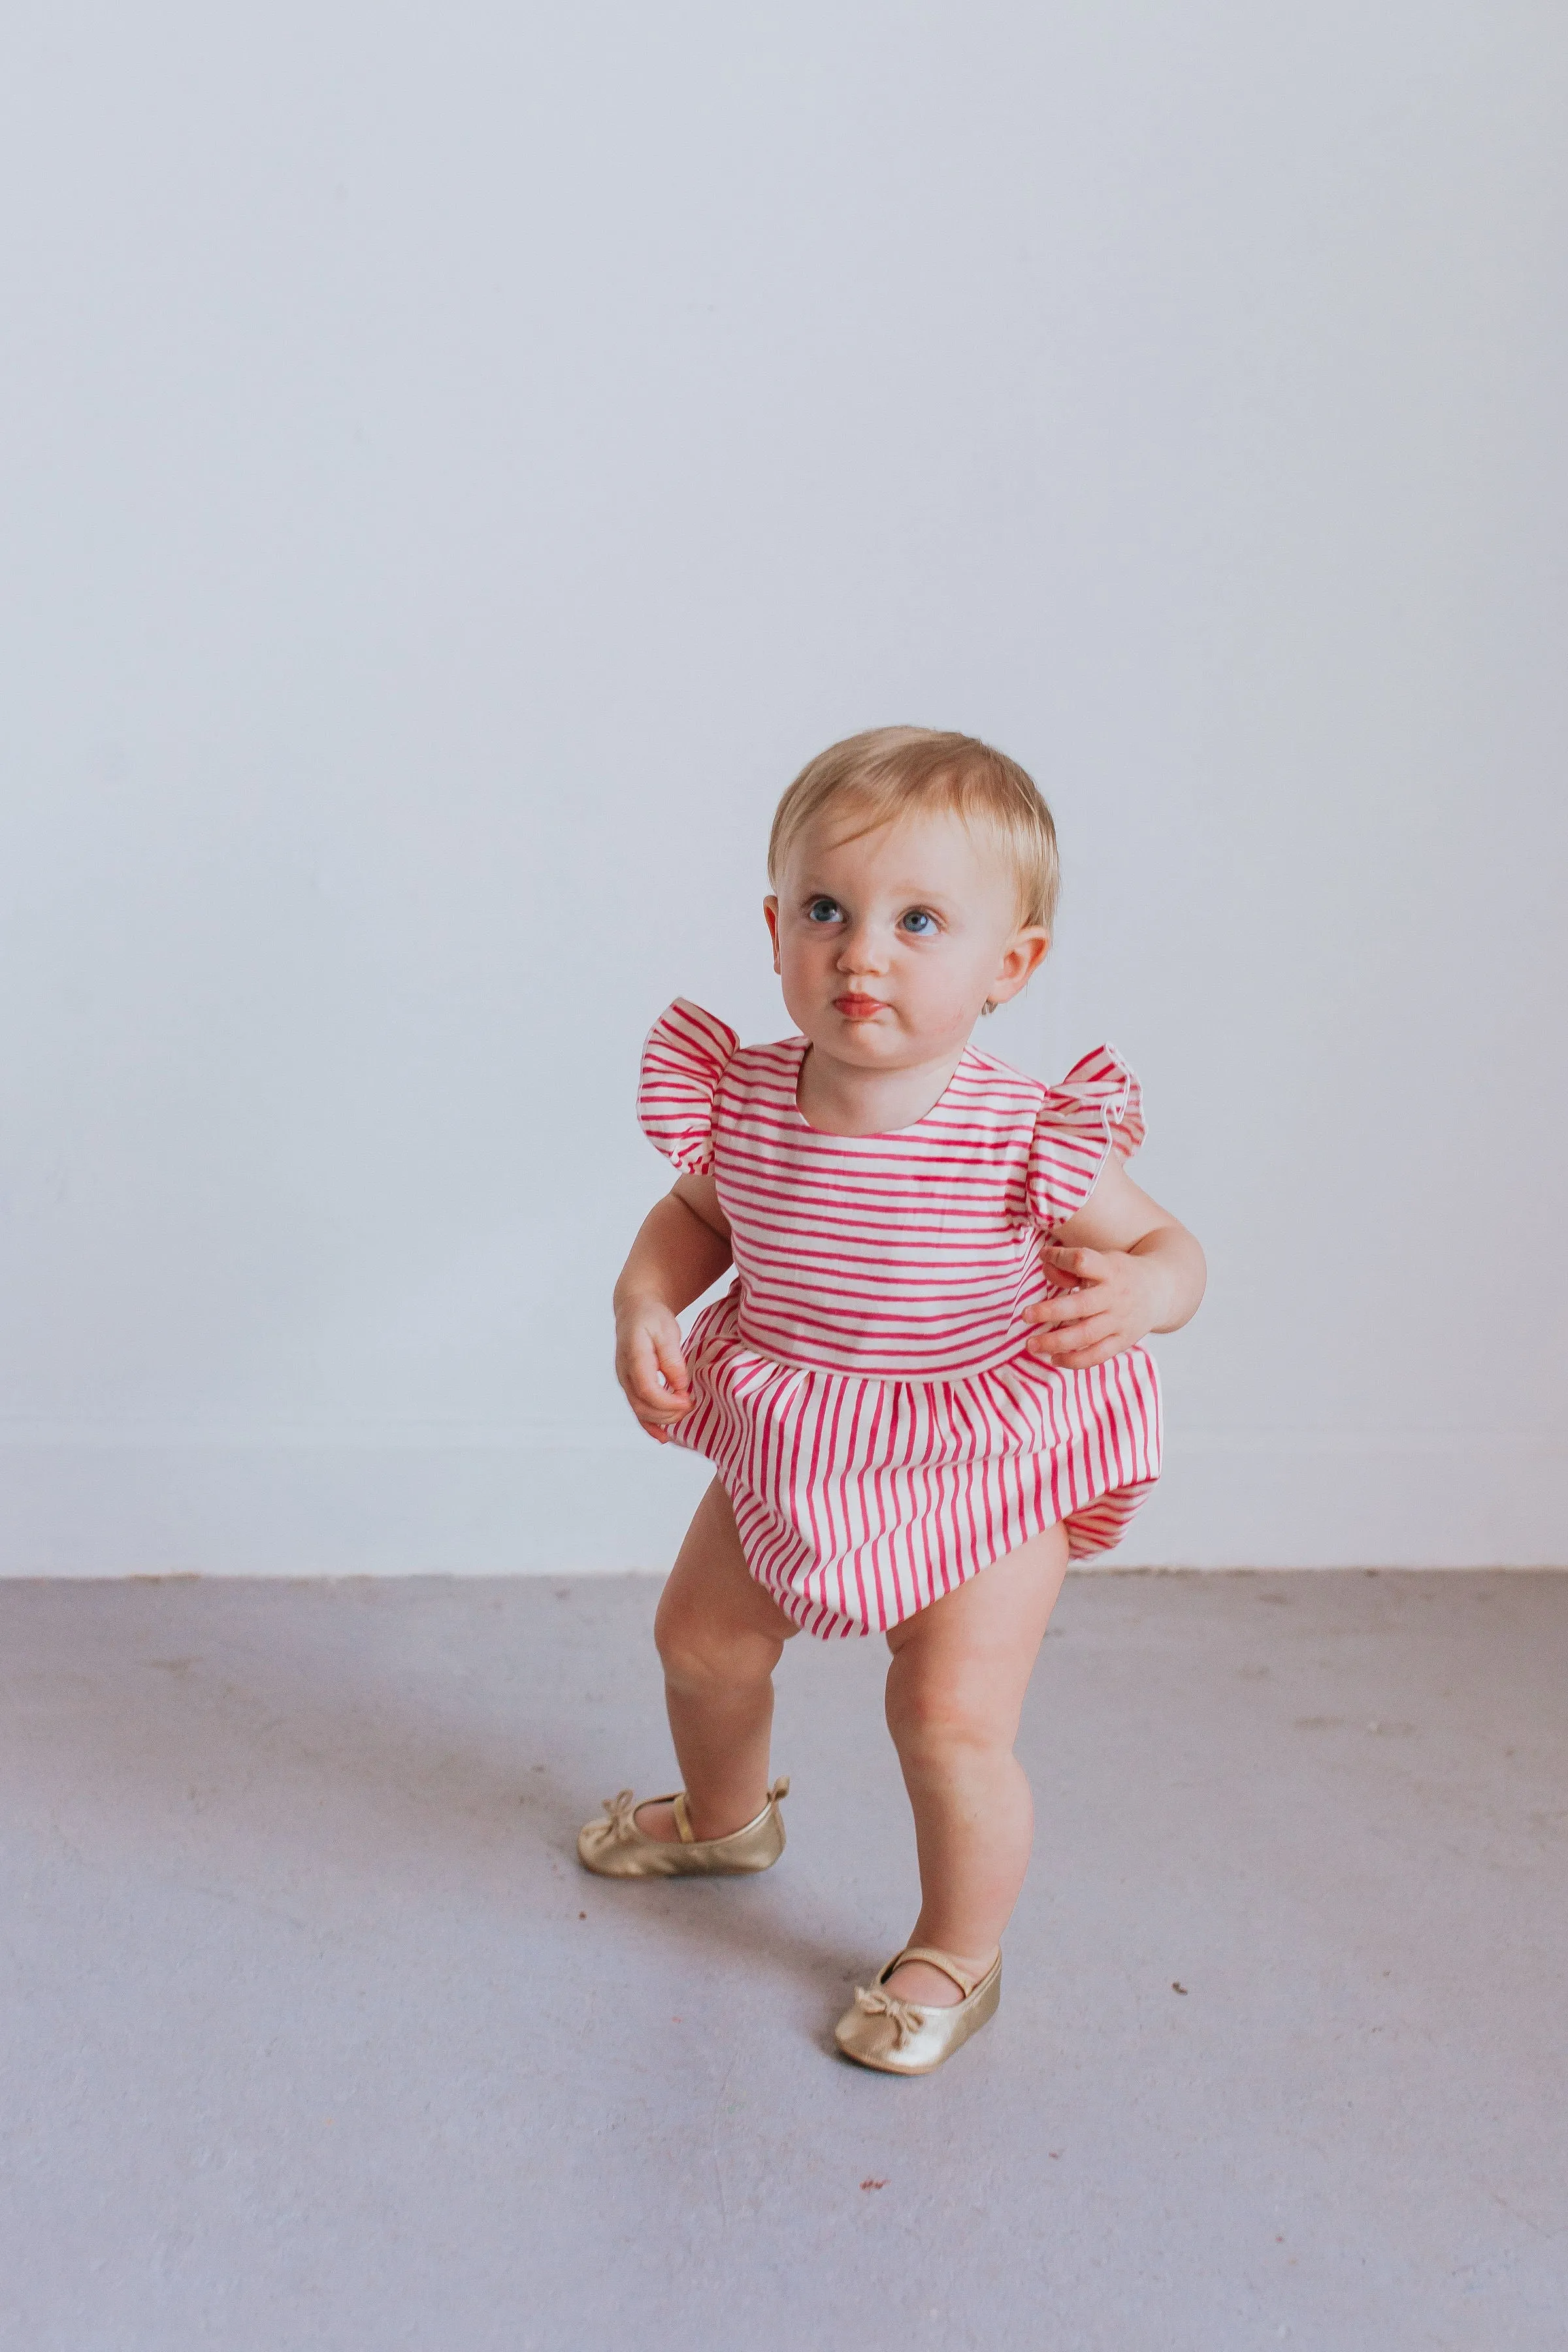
<point>1032,947</point>
<point>771,917</point>
<point>1026,952</point>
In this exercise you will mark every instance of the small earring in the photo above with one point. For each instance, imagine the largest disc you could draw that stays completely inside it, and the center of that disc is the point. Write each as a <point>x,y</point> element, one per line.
<point>989,1006</point>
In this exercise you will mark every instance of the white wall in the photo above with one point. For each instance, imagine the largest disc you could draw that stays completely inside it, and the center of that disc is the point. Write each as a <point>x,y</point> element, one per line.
<point>461,459</point>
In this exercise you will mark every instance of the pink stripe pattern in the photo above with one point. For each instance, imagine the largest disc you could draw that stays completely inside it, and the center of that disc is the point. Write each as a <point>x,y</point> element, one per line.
<point>864,1391</point>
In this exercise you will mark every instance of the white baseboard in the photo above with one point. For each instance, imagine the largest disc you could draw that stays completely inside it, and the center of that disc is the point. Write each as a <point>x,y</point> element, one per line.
<point>534,1504</point>
<point>399,1501</point>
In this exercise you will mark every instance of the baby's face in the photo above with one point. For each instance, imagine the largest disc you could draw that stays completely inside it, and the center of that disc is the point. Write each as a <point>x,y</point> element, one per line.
<point>890,943</point>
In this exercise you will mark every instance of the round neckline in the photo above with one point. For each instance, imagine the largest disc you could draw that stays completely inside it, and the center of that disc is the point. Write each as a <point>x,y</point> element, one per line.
<point>880,1134</point>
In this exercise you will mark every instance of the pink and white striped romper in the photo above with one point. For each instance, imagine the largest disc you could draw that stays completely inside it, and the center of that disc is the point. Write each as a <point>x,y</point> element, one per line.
<point>863,1389</point>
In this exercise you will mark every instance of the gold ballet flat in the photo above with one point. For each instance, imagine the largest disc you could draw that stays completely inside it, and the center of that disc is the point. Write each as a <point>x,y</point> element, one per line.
<point>899,2037</point>
<point>617,1848</point>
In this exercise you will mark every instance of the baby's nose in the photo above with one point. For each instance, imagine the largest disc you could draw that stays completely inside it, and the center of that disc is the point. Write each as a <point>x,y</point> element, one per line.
<point>862,951</point>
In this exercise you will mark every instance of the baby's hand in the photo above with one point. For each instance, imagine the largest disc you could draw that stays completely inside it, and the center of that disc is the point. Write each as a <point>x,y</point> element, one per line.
<point>1110,1304</point>
<point>650,1366</point>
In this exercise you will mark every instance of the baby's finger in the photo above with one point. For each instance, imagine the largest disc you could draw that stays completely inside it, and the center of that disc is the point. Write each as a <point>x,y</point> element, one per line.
<point>672,1364</point>
<point>1115,1346</point>
<point>651,1402</point>
<point>659,1411</point>
<point>1063,1307</point>
<point>650,1395</point>
<point>1093,1349</point>
<point>1076,1339</point>
<point>655,1350</point>
<point>1083,1264</point>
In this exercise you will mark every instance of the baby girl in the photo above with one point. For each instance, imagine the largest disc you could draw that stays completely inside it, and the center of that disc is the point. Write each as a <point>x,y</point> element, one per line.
<point>924,1393</point>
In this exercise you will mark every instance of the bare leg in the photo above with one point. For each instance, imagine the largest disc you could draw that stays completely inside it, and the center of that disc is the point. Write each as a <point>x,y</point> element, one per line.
<point>720,1637</point>
<point>956,1690</point>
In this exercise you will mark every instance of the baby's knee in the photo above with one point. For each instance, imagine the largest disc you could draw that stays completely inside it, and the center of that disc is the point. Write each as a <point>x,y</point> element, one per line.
<point>696,1656</point>
<point>932,1718</point>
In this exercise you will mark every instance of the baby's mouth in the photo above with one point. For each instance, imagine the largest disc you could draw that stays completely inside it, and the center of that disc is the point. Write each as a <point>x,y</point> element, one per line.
<point>858,1008</point>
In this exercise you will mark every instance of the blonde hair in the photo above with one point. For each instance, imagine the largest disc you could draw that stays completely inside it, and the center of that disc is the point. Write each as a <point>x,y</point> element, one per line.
<point>893,771</point>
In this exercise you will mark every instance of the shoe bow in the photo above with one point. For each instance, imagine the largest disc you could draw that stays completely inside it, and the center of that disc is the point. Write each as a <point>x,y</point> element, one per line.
<point>621,1826</point>
<point>906,2019</point>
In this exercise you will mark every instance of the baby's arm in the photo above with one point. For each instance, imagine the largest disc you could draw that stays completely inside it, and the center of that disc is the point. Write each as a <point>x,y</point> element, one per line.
<point>682,1246</point>
<point>1134,1270</point>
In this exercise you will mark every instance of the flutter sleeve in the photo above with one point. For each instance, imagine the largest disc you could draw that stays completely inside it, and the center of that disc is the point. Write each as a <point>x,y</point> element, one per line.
<point>1097,1109</point>
<point>687,1054</point>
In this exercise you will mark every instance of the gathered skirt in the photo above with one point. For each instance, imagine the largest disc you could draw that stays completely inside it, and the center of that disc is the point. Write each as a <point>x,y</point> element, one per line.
<point>861,1500</point>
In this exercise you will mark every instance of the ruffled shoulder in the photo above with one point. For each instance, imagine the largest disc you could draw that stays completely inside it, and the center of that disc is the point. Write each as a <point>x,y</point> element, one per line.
<point>1097,1109</point>
<point>687,1054</point>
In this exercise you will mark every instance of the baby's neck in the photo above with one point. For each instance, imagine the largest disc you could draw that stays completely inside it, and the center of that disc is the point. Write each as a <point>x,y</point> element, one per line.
<point>843,1099</point>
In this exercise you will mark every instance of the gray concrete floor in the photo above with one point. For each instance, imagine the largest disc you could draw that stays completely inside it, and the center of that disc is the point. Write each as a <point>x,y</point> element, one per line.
<point>308,2042</point>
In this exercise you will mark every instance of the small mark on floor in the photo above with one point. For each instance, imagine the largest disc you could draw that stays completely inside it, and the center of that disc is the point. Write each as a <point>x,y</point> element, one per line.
<point>1177,1988</point>
<point>873,2184</point>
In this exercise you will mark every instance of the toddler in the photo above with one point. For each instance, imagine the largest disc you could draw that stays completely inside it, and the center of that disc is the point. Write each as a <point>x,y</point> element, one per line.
<point>924,1392</point>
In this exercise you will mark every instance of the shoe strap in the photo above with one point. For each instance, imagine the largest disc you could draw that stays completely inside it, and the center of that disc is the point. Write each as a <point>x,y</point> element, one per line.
<point>688,1835</point>
<point>965,1979</point>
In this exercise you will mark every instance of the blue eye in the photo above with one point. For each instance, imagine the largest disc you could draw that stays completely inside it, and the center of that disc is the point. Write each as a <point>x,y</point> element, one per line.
<point>823,910</point>
<point>917,923</point>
